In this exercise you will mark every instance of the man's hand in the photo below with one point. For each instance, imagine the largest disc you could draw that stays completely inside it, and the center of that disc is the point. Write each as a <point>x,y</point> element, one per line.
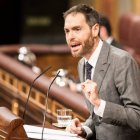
<point>76,127</point>
<point>90,89</point>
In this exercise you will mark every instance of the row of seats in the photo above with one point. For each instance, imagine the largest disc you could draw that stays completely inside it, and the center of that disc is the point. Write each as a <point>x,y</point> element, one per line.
<point>129,34</point>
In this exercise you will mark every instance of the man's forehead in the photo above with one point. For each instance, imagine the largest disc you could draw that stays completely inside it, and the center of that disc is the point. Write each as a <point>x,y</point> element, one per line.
<point>74,18</point>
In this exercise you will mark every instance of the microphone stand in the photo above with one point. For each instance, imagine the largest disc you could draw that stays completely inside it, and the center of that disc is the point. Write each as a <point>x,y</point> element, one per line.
<point>31,89</point>
<point>46,104</point>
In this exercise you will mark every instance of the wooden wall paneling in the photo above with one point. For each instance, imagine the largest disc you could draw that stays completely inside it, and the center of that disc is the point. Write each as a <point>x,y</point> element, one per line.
<point>109,8</point>
<point>136,6</point>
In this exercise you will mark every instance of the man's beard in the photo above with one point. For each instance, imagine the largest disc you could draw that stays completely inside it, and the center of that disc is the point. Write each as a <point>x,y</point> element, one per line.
<point>87,48</point>
<point>75,54</point>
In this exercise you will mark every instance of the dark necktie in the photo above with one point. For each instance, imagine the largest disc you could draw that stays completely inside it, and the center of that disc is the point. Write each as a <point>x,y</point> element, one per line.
<point>88,71</point>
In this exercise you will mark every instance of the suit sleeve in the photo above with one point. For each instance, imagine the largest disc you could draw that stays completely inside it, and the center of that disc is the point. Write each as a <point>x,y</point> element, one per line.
<point>127,80</point>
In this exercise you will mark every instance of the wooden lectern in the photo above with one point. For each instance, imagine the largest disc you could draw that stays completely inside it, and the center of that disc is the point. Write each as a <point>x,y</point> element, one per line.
<point>11,126</point>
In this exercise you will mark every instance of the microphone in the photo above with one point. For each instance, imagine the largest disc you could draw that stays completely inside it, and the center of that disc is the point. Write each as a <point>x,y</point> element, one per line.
<point>46,104</point>
<point>25,108</point>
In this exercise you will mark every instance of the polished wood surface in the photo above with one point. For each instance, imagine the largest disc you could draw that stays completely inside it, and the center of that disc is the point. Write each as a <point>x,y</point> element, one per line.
<point>11,126</point>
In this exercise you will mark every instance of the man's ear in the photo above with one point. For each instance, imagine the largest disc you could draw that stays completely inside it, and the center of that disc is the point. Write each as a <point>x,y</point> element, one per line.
<point>95,30</point>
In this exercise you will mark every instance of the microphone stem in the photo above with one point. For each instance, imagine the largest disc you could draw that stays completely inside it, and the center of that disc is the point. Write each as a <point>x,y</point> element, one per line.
<point>46,104</point>
<point>31,89</point>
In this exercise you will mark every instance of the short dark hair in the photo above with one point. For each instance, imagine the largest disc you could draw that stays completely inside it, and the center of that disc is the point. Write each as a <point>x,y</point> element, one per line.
<point>91,15</point>
<point>104,21</point>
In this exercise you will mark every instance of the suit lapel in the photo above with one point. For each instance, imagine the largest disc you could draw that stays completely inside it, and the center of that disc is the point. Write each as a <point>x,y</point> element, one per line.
<point>102,65</point>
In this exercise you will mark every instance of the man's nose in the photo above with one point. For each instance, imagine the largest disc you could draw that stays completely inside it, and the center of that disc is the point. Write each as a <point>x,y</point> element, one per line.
<point>71,35</point>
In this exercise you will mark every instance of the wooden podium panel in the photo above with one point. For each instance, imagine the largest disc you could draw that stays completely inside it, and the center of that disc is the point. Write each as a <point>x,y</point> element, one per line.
<point>11,126</point>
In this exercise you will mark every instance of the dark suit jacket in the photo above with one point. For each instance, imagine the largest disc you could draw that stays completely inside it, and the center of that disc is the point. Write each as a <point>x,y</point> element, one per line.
<point>118,79</point>
<point>116,44</point>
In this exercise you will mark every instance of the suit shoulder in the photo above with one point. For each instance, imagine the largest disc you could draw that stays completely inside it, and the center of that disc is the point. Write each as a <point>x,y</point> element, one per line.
<point>121,56</point>
<point>119,52</point>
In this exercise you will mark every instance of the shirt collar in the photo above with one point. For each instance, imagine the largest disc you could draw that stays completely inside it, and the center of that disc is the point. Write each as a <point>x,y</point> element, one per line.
<point>109,40</point>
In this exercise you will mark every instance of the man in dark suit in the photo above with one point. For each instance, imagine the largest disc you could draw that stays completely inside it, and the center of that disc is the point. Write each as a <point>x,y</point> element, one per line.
<point>106,32</point>
<point>112,88</point>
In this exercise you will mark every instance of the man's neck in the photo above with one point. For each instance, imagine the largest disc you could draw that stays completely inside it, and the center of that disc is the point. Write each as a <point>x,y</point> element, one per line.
<point>96,42</point>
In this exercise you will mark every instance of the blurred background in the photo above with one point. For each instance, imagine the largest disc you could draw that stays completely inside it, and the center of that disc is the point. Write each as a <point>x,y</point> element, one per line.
<point>32,38</point>
<point>35,21</point>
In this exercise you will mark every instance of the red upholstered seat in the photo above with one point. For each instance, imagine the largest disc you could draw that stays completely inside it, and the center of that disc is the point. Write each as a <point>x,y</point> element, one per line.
<point>135,33</point>
<point>129,34</point>
<point>125,24</point>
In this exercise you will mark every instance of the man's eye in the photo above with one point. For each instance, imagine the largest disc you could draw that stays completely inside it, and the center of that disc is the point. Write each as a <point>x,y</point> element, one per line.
<point>77,29</point>
<point>66,31</point>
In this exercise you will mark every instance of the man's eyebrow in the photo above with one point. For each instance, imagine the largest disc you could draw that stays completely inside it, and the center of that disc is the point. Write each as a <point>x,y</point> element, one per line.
<point>74,27</point>
<point>65,28</point>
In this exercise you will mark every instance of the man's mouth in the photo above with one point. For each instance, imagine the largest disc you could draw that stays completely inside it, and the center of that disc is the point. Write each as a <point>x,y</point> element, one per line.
<point>75,45</point>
